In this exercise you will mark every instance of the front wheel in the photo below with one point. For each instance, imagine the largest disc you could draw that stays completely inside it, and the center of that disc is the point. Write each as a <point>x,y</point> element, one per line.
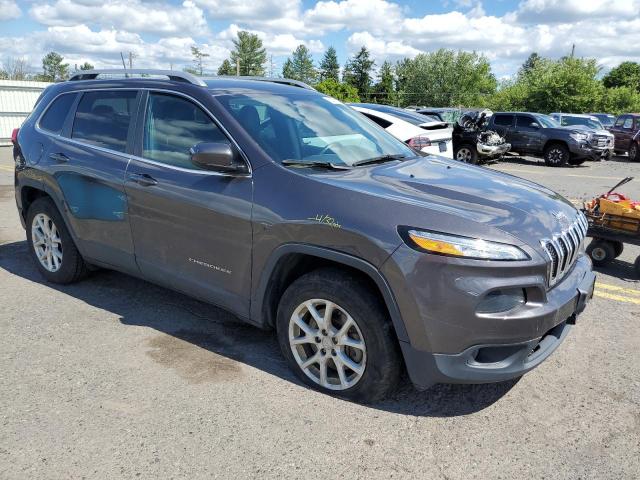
<point>634,153</point>
<point>467,154</point>
<point>51,245</point>
<point>336,336</point>
<point>556,155</point>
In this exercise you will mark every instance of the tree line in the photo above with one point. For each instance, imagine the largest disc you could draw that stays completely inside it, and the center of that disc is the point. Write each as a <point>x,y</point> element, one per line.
<point>444,78</point>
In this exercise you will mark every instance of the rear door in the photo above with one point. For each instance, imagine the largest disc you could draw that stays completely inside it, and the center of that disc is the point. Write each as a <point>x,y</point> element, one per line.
<point>191,227</point>
<point>503,123</point>
<point>526,138</point>
<point>88,160</point>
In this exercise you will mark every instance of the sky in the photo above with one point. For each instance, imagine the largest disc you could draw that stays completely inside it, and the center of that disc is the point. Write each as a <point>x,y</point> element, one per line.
<point>161,32</point>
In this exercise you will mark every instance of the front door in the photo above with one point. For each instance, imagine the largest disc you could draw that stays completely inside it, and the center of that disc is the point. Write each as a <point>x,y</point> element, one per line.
<point>191,227</point>
<point>623,132</point>
<point>525,137</point>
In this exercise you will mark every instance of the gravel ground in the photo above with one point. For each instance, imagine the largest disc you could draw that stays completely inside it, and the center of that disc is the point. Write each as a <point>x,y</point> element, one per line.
<point>116,378</point>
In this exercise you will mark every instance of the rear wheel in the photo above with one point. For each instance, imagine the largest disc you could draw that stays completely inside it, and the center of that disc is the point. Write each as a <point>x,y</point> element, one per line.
<point>601,252</point>
<point>336,336</point>
<point>556,155</point>
<point>51,245</point>
<point>466,153</point>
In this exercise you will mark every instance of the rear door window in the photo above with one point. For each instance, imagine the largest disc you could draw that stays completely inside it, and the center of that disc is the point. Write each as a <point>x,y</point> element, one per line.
<point>503,120</point>
<point>380,121</point>
<point>103,118</point>
<point>55,116</point>
<point>173,125</point>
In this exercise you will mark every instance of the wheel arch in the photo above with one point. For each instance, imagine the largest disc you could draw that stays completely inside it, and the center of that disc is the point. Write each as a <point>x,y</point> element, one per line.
<point>289,262</point>
<point>549,143</point>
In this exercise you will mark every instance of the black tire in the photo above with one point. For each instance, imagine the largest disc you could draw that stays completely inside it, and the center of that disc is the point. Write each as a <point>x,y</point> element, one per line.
<point>637,266</point>
<point>577,161</point>
<point>72,266</point>
<point>383,365</point>
<point>634,153</point>
<point>556,155</point>
<point>466,153</point>
<point>601,252</point>
<point>618,248</point>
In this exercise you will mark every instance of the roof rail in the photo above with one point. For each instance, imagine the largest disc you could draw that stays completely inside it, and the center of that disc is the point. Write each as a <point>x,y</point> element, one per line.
<point>173,75</point>
<point>284,81</point>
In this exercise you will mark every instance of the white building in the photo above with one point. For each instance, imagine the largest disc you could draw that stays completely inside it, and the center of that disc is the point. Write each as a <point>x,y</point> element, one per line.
<point>17,99</point>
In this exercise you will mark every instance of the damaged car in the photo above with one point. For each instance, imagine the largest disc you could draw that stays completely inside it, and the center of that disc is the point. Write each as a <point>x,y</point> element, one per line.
<point>473,142</point>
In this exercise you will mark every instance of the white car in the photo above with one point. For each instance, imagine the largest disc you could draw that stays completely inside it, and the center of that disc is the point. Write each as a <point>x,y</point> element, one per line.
<point>416,130</point>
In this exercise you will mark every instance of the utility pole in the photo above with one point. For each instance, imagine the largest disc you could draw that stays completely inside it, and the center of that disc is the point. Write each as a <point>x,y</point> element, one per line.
<point>237,67</point>
<point>573,49</point>
<point>131,57</point>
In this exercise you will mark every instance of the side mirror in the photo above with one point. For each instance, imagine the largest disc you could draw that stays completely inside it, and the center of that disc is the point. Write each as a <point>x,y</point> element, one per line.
<point>218,156</point>
<point>534,125</point>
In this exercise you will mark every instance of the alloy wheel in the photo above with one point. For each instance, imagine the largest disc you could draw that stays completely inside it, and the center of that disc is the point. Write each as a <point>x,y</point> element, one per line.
<point>327,344</point>
<point>555,155</point>
<point>464,155</point>
<point>46,242</point>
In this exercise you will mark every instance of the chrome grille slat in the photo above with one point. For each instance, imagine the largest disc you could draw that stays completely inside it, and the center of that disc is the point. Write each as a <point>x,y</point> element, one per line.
<point>563,248</point>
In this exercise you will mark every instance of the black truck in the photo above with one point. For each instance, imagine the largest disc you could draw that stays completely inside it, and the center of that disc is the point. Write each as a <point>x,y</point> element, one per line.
<point>539,135</point>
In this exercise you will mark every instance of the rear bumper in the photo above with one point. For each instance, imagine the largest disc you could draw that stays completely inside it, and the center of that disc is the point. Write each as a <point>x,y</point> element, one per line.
<point>493,150</point>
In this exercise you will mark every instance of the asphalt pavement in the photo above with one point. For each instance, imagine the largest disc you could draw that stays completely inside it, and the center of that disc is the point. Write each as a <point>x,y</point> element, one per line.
<point>116,378</point>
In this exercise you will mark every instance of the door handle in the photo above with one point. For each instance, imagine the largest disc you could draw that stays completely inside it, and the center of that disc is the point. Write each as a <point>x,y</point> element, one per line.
<point>143,179</point>
<point>59,157</point>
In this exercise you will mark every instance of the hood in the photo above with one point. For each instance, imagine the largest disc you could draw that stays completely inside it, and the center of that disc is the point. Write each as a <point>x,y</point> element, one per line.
<point>460,196</point>
<point>585,129</point>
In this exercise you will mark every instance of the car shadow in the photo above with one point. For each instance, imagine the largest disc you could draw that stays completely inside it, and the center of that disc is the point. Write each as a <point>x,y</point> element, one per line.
<point>140,303</point>
<point>619,269</point>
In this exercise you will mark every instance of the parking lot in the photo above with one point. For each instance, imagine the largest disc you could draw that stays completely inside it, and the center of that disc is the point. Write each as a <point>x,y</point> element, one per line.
<point>115,377</point>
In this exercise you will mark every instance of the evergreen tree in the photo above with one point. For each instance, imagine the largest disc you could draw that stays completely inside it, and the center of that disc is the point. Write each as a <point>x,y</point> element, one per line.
<point>300,66</point>
<point>53,68</point>
<point>86,66</point>
<point>198,59</point>
<point>248,50</point>
<point>384,91</point>
<point>226,68</point>
<point>358,72</point>
<point>329,66</point>
<point>530,63</point>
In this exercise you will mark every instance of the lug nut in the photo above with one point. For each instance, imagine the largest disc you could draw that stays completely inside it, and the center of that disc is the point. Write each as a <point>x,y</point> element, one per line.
<point>324,332</point>
<point>317,339</point>
<point>323,351</point>
<point>333,352</point>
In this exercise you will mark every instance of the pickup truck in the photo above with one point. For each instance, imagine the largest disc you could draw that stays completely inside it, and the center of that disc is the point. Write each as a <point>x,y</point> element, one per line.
<point>540,135</point>
<point>626,131</point>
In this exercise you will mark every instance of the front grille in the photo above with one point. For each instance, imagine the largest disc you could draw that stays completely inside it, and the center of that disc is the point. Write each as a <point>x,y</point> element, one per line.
<point>563,248</point>
<point>601,141</point>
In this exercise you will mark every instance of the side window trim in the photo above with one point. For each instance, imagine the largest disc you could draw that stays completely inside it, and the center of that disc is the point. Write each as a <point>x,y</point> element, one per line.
<point>140,124</point>
<point>68,123</point>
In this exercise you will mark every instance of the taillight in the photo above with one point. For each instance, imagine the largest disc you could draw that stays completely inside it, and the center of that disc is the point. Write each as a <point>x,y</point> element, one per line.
<point>14,136</point>
<point>419,142</point>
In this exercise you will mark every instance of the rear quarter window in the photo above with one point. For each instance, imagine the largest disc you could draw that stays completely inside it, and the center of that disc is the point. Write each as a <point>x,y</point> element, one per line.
<point>56,114</point>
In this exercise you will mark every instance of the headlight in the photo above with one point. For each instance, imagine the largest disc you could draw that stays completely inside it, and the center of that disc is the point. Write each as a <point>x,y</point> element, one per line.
<point>456,246</point>
<point>580,137</point>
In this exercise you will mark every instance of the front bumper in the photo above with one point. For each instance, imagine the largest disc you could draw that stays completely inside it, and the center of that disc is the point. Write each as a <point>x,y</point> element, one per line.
<point>450,343</point>
<point>493,150</point>
<point>585,150</point>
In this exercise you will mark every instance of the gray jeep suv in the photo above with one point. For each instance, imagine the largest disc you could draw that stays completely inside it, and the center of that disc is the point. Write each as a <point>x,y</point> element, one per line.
<point>297,213</point>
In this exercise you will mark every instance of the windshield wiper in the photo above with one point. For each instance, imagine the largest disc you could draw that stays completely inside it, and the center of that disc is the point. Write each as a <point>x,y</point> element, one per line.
<point>380,159</point>
<point>301,163</point>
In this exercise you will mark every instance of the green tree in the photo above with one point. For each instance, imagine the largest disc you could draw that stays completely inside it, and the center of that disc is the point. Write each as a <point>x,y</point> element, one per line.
<point>340,90</point>
<point>384,91</point>
<point>446,78</point>
<point>329,66</point>
<point>287,69</point>
<point>248,50</point>
<point>627,74</point>
<point>226,68</point>
<point>357,72</point>
<point>53,68</point>
<point>619,100</point>
<point>530,63</point>
<point>198,59</point>
<point>300,66</point>
<point>86,66</point>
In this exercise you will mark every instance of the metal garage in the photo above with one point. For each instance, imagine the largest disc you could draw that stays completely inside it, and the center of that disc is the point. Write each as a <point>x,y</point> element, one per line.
<point>17,99</point>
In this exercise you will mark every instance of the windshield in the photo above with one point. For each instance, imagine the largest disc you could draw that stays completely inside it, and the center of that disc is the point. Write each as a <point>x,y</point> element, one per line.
<point>589,122</point>
<point>546,121</point>
<point>310,128</point>
<point>605,119</point>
